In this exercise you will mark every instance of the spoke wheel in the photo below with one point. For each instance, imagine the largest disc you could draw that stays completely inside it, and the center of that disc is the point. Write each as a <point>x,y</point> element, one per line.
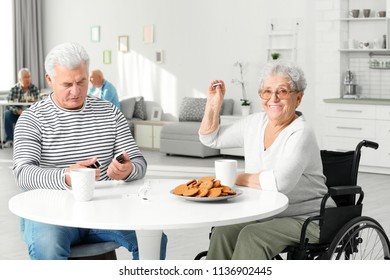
<point>361,239</point>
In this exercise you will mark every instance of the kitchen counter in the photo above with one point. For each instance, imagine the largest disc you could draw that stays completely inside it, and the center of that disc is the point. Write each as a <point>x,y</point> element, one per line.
<point>367,101</point>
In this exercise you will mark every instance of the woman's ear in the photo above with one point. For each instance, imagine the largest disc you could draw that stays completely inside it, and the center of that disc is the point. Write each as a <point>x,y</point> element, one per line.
<point>299,97</point>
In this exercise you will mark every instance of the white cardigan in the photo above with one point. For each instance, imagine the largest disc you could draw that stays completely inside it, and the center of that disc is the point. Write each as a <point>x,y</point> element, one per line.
<point>291,165</point>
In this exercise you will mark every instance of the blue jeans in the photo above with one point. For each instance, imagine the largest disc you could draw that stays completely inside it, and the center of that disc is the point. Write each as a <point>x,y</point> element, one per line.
<point>50,242</point>
<point>10,120</point>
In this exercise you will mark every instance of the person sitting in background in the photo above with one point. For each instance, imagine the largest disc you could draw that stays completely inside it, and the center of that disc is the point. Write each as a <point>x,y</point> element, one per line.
<point>24,90</point>
<point>58,134</point>
<point>281,154</point>
<point>102,88</point>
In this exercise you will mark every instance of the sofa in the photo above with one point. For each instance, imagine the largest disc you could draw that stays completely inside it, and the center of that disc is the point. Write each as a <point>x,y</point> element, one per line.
<point>137,109</point>
<point>181,138</point>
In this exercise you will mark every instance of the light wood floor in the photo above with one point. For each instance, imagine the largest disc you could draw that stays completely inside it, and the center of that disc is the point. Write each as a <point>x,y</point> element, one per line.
<point>183,244</point>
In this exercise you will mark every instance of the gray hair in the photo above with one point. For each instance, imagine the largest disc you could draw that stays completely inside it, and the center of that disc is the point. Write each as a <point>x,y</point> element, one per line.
<point>69,55</point>
<point>21,71</point>
<point>285,69</point>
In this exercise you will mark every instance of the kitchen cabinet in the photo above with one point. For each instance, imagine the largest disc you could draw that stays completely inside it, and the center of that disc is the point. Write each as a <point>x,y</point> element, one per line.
<point>347,124</point>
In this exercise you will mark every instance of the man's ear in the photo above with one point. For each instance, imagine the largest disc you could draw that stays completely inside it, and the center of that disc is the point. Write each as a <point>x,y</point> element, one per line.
<point>49,80</point>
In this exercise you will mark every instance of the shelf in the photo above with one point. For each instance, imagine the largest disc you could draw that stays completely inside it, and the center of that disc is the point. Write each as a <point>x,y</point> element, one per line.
<point>381,68</point>
<point>364,19</point>
<point>365,50</point>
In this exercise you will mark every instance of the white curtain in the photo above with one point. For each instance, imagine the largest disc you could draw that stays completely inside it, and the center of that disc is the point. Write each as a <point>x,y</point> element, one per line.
<point>28,39</point>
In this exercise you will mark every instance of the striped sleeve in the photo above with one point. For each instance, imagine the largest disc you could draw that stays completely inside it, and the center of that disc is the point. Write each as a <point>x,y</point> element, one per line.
<point>49,139</point>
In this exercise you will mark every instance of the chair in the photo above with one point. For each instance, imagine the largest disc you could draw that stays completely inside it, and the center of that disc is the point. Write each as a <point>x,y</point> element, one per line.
<point>344,232</point>
<point>94,251</point>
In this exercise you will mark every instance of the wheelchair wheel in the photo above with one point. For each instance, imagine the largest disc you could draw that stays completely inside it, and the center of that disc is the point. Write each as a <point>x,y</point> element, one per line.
<point>362,238</point>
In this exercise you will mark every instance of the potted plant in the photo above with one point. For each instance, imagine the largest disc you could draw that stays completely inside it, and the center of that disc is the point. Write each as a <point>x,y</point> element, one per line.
<point>245,102</point>
<point>275,56</point>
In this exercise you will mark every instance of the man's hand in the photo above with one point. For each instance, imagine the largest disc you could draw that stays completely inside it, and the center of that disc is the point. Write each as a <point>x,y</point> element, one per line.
<point>81,164</point>
<point>120,171</point>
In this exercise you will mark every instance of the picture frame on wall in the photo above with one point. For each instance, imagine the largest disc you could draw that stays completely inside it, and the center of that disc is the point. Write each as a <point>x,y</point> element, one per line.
<point>159,56</point>
<point>148,34</point>
<point>123,43</point>
<point>106,57</point>
<point>95,33</point>
<point>156,114</point>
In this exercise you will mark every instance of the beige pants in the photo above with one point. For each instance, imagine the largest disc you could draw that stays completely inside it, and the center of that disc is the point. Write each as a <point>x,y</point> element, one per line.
<point>258,240</point>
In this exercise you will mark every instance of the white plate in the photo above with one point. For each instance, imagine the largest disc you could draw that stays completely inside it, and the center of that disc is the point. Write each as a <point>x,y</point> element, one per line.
<point>209,199</point>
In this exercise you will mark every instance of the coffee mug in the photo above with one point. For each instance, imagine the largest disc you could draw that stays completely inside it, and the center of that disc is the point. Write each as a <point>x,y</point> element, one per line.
<point>366,12</point>
<point>83,183</point>
<point>354,13</point>
<point>225,171</point>
<point>381,14</point>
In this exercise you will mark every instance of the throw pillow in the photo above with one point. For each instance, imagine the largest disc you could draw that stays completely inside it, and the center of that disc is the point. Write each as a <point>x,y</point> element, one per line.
<point>140,108</point>
<point>128,105</point>
<point>192,109</point>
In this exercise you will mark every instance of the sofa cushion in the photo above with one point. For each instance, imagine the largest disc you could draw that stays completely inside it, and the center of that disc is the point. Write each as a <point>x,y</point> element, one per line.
<point>128,106</point>
<point>192,109</point>
<point>139,108</point>
<point>181,131</point>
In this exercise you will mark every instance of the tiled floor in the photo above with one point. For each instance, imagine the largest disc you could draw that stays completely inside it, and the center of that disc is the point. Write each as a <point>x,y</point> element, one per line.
<point>183,244</point>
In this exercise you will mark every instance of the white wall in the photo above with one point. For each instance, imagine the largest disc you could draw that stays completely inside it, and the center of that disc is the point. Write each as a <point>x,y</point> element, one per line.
<point>201,40</point>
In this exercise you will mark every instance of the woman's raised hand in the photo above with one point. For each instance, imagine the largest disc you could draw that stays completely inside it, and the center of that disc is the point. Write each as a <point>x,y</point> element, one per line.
<point>216,94</point>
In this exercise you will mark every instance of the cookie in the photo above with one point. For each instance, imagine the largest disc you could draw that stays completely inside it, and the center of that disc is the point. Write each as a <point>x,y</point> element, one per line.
<point>217,183</point>
<point>190,192</point>
<point>192,182</point>
<point>202,192</point>
<point>206,178</point>
<point>180,189</point>
<point>214,192</point>
<point>206,185</point>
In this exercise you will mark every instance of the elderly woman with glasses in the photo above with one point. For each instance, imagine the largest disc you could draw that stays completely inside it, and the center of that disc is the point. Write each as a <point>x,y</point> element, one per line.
<point>281,154</point>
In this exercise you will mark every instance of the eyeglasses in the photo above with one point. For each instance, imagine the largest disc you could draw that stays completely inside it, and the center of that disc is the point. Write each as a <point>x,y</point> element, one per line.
<point>281,93</point>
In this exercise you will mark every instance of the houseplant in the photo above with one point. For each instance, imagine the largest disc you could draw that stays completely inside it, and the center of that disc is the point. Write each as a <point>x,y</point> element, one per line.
<point>275,56</point>
<point>245,102</point>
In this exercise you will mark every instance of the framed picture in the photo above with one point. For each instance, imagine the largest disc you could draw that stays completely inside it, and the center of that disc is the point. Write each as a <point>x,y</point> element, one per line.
<point>107,57</point>
<point>156,114</point>
<point>148,34</point>
<point>159,57</point>
<point>123,43</point>
<point>95,33</point>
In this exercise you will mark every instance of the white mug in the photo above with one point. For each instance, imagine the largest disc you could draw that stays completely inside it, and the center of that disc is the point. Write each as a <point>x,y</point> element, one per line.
<point>83,183</point>
<point>225,171</point>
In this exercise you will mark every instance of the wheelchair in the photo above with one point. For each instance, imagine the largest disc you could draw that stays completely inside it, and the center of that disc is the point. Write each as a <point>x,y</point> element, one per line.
<point>344,233</point>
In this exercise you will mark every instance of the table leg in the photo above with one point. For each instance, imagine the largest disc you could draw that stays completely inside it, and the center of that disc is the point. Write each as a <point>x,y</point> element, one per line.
<point>149,243</point>
<point>1,125</point>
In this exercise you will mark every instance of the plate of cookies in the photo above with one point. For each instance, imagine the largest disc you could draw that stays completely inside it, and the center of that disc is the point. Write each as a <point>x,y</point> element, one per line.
<point>206,189</point>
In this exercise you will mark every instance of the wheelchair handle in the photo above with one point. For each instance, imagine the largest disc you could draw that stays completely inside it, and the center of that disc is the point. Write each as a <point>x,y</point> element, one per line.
<point>369,144</point>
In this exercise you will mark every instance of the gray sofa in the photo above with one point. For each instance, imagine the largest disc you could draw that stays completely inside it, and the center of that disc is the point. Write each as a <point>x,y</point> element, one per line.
<point>181,138</point>
<point>136,109</point>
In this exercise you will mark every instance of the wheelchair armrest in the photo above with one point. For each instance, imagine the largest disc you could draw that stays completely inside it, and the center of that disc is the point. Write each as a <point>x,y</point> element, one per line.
<point>343,190</point>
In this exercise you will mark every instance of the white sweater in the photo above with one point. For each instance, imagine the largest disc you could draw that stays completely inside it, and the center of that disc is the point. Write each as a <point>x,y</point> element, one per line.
<point>291,165</point>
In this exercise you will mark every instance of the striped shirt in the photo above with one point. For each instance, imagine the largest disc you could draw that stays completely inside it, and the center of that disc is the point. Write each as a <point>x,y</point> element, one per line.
<point>48,139</point>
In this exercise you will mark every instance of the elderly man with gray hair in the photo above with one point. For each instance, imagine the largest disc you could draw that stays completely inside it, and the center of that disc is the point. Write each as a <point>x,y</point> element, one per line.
<point>58,134</point>
<point>24,90</point>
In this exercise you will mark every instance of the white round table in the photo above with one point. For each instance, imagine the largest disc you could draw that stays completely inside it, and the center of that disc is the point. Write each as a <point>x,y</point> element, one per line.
<point>117,205</point>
